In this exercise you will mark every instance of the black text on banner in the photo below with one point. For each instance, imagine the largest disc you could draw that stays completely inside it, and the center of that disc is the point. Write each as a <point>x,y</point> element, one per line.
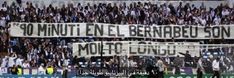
<point>134,48</point>
<point>114,30</point>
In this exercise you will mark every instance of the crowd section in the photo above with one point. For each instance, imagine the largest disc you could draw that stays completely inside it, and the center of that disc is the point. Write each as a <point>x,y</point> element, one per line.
<point>57,52</point>
<point>135,13</point>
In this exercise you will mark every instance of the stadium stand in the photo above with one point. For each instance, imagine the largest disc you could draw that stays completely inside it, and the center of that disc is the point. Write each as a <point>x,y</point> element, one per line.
<point>31,53</point>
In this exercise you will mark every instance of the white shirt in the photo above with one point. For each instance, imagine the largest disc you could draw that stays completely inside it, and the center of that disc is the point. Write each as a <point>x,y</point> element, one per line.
<point>225,12</point>
<point>168,60</point>
<point>1,70</point>
<point>160,65</point>
<point>4,8</point>
<point>203,22</point>
<point>132,63</point>
<point>4,62</point>
<point>180,21</point>
<point>29,56</point>
<point>22,17</point>
<point>212,13</point>
<point>3,22</point>
<point>19,61</point>
<point>26,65</point>
<point>217,20</point>
<point>11,61</point>
<point>215,65</point>
<point>66,62</point>
<point>21,9</point>
<point>199,65</point>
<point>41,71</point>
<point>133,13</point>
<point>125,11</point>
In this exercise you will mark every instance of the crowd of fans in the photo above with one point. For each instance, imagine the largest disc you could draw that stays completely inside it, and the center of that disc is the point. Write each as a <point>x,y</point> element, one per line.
<point>32,52</point>
<point>135,13</point>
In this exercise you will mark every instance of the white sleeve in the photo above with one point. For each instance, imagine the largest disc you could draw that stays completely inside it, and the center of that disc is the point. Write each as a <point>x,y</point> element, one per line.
<point>200,63</point>
<point>213,64</point>
<point>156,64</point>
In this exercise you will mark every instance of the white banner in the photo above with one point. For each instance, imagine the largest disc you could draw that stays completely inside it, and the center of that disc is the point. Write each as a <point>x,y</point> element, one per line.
<point>134,48</point>
<point>48,30</point>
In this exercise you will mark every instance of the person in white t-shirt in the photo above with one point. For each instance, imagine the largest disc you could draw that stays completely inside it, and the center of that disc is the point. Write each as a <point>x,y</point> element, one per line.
<point>11,61</point>
<point>26,64</point>
<point>66,62</point>
<point>161,67</point>
<point>19,61</point>
<point>4,61</point>
<point>41,70</point>
<point>216,68</point>
<point>2,22</point>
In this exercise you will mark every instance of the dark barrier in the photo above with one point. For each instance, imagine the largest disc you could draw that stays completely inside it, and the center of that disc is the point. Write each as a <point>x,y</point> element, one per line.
<point>185,76</point>
<point>54,76</point>
<point>194,76</point>
<point>30,76</point>
<point>100,76</point>
<point>94,72</point>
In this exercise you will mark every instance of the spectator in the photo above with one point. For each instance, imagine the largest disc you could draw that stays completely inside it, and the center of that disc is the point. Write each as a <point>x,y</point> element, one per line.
<point>14,70</point>
<point>19,70</point>
<point>41,70</point>
<point>4,61</point>
<point>177,63</point>
<point>26,64</point>
<point>66,61</point>
<point>65,72</point>
<point>11,61</point>
<point>207,64</point>
<point>50,70</point>
<point>150,66</point>
<point>19,61</point>
<point>200,68</point>
<point>161,68</point>
<point>187,59</point>
<point>216,68</point>
<point>2,22</point>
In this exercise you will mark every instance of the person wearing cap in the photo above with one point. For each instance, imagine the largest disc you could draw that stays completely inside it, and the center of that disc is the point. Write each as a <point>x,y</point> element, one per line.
<point>49,70</point>
<point>20,71</point>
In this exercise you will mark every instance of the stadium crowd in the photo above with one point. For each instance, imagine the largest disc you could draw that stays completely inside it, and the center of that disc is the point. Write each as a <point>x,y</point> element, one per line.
<point>33,52</point>
<point>135,13</point>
